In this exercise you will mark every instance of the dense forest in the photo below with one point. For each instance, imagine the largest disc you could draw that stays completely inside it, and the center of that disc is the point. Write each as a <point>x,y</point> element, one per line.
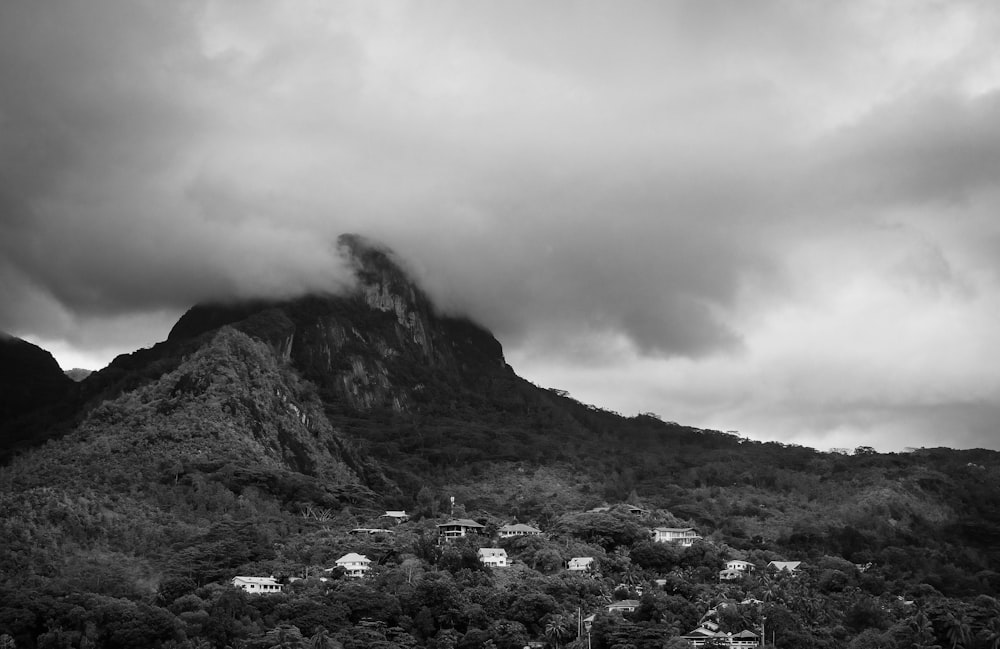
<point>255,438</point>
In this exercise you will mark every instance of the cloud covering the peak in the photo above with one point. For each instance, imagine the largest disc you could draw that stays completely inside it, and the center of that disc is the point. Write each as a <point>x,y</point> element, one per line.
<point>774,217</point>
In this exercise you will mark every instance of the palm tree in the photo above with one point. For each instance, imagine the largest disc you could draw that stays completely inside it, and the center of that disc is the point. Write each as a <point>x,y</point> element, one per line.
<point>959,629</point>
<point>990,633</point>
<point>922,632</point>
<point>558,629</point>
<point>320,639</point>
<point>767,589</point>
<point>284,636</point>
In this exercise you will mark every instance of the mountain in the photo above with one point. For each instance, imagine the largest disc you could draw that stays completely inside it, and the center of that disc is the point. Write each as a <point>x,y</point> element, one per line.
<point>78,373</point>
<point>259,433</point>
<point>382,347</point>
<point>35,395</point>
<point>30,378</point>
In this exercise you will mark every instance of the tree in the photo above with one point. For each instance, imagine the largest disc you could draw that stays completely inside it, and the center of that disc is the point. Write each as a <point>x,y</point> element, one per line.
<point>958,628</point>
<point>507,634</point>
<point>872,639</point>
<point>676,642</point>
<point>990,633</point>
<point>284,636</point>
<point>174,587</point>
<point>559,629</point>
<point>661,557</point>
<point>531,607</point>
<point>921,632</point>
<point>607,529</point>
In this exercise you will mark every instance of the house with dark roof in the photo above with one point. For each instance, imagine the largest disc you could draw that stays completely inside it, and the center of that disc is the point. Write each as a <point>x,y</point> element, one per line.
<point>458,528</point>
<point>518,529</point>
<point>710,631</point>
<point>623,606</point>
<point>744,640</point>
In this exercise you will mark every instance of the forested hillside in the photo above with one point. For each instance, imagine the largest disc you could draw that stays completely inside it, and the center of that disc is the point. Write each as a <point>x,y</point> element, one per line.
<point>255,438</point>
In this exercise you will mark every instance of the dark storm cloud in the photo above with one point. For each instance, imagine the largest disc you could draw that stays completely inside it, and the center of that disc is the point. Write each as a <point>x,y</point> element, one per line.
<point>108,203</point>
<point>712,208</point>
<point>203,154</point>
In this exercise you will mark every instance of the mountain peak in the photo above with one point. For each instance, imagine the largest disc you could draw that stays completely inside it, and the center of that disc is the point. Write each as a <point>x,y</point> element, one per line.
<point>386,286</point>
<point>369,257</point>
<point>379,278</point>
<point>377,345</point>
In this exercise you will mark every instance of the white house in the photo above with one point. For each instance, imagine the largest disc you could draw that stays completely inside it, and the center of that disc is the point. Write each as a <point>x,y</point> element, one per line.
<point>581,564</point>
<point>518,529</point>
<point>457,528</point>
<point>398,515</point>
<point>493,557</point>
<point>789,566</point>
<point>355,565</point>
<point>685,536</point>
<point>257,585</point>
<point>739,564</point>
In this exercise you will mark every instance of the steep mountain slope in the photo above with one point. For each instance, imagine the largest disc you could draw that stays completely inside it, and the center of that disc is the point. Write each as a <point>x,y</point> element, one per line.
<point>229,401</point>
<point>35,395</point>
<point>229,434</point>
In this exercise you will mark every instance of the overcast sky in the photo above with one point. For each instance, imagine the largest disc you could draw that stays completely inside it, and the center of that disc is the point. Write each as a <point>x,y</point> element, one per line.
<point>781,218</point>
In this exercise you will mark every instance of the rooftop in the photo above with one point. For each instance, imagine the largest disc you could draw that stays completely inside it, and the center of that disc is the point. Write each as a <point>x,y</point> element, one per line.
<point>463,522</point>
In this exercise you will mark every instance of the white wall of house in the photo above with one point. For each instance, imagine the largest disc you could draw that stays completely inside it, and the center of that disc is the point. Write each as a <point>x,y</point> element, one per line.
<point>257,585</point>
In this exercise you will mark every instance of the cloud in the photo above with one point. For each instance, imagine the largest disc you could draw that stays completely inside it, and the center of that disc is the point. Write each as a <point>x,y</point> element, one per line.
<point>759,212</point>
<point>112,202</point>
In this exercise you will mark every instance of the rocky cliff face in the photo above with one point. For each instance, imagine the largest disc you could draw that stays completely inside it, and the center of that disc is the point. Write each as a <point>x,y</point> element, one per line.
<point>377,347</point>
